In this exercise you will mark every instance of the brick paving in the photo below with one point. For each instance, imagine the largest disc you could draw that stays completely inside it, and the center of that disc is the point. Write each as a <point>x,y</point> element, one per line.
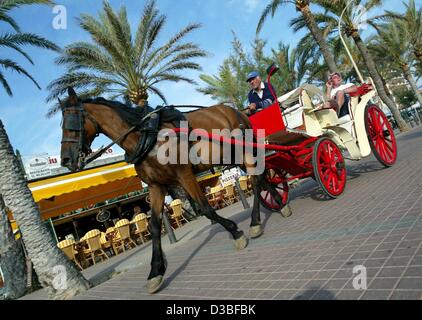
<point>376,223</point>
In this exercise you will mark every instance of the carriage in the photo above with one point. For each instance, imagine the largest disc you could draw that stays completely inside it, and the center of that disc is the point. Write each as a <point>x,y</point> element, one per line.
<point>305,140</point>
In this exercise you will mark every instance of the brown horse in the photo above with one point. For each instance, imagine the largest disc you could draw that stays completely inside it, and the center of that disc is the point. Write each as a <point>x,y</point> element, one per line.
<point>84,120</point>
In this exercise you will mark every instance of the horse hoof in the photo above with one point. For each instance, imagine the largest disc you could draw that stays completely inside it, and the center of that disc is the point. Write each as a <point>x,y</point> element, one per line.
<point>256,231</point>
<point>155,284</point>
<point>241,243</point>
<point>286,211</point>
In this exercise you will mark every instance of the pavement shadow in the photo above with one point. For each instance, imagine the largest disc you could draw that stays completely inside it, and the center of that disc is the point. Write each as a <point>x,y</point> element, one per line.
<point>110,271</point>
<point>183,266</point>
<point>315,293</point>
<point>309,189</point>
<point>411,136</point>
<point>364,167</point>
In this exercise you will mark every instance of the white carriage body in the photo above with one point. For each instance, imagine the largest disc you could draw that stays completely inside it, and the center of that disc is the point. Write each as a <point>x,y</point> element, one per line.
<point>348,132</point>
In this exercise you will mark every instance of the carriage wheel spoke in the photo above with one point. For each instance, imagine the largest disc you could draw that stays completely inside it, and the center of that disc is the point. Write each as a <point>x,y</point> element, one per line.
<point>389,147</point>
<point>382,149</point>
<point>335,182</point>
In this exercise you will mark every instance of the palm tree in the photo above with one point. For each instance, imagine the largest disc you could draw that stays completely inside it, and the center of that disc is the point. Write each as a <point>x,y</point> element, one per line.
<point>307,46</point>
<point>123,66</point>
<point>412,19</point>
<point>18,39</point>
<point>294,67</point>
<point>302,6</point>
<point>333,10</point>
<point>229,85</point>
<point>392,44</point>
<point>12,259</point>
<point>39,243</point>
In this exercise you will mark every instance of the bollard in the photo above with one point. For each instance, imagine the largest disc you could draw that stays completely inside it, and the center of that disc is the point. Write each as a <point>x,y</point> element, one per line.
<point>242,195</point>
<point>169,229</point>
<point>420,115</point>
<point>412,123</point>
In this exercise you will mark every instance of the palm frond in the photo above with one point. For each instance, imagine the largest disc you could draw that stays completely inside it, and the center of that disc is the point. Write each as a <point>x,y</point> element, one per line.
<point>21,39</point>
<point>9,64</point>
<point>5,84</point>
<point>159,93</point>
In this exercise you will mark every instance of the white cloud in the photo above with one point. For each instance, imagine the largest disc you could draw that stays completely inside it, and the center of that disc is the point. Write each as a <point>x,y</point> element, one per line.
<point>251,5</point>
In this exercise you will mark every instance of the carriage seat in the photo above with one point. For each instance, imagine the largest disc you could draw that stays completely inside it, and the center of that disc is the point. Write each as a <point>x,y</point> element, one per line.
<point>293,116</point>
<point>286,138</point>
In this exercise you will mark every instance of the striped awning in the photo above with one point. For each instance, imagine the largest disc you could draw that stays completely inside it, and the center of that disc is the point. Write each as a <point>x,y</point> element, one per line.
<point>63,194</point>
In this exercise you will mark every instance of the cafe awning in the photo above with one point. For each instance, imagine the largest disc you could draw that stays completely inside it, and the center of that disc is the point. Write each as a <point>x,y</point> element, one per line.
<point>63,194</point>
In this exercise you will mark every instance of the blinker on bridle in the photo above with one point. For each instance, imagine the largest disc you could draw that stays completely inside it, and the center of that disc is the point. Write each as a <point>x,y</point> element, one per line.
<point>73,120</point>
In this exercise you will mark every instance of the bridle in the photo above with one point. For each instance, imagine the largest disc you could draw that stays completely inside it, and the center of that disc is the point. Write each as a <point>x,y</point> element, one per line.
<point>74,120</point>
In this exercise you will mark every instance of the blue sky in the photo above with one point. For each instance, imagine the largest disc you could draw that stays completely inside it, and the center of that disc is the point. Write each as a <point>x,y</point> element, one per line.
<point>24,114</point>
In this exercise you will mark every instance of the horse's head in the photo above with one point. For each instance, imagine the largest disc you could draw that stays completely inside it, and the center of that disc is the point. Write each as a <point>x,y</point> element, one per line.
<point>78,131</point>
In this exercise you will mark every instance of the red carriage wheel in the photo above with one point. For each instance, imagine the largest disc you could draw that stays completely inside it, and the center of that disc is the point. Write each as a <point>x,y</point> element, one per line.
<point>380,135</point>
<point>276,178</point>
<point>329,167</point>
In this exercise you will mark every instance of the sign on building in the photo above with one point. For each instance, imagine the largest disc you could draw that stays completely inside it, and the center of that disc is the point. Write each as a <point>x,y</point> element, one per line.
<point>229,176</point>
<point>37,166</point>
<point>44,165</point>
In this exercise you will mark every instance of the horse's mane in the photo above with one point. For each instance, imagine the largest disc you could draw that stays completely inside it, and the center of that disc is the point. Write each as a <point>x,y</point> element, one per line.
<point>132,115</point>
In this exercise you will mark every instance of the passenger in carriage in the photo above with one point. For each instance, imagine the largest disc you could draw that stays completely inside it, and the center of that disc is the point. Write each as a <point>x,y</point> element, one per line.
<point>260,95</point>
<point>338,94</point>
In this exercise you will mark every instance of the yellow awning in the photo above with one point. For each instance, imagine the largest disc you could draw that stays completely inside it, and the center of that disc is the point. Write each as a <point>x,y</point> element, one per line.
<point>208,176</point>
<point>58,195</point>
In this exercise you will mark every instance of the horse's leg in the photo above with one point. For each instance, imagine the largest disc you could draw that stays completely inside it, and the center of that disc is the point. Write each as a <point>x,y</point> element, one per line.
<point>255,229</point>
<point>189,183</point>
<point>158,261</point>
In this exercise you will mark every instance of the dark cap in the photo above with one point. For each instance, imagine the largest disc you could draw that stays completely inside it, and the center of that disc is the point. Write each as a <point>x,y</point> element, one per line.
<point>252,75</point>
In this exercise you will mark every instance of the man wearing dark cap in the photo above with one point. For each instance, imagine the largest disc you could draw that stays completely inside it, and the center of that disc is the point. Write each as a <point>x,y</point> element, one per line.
<point>260,95</point>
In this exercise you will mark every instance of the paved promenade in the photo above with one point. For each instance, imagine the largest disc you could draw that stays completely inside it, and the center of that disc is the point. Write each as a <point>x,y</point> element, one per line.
<point>377,224</point>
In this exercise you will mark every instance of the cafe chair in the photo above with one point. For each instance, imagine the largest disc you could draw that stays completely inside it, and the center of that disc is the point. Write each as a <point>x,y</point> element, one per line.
<point>123,238</point>
<point>93,241</point>
<point>68,247</point>
<point>229,194</point>
<point>141,223</point>
<point>243,181</point>
<point>106,243</point>
<point>177,214</point>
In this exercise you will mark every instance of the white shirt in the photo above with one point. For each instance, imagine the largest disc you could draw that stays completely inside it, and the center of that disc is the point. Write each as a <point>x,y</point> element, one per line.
<point>342,87</point>
<point>168,199</point>
<point>261,92</point>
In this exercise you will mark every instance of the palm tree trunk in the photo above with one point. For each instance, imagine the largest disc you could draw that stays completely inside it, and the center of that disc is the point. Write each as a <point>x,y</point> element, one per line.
<point>370,64</point>
<point>412,82</point>
<point>12,259</point>
<point>54,270</point>
<point>319,37</point>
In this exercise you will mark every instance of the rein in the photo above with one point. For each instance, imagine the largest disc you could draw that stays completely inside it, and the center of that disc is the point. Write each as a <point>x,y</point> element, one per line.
<point>99,152</point>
